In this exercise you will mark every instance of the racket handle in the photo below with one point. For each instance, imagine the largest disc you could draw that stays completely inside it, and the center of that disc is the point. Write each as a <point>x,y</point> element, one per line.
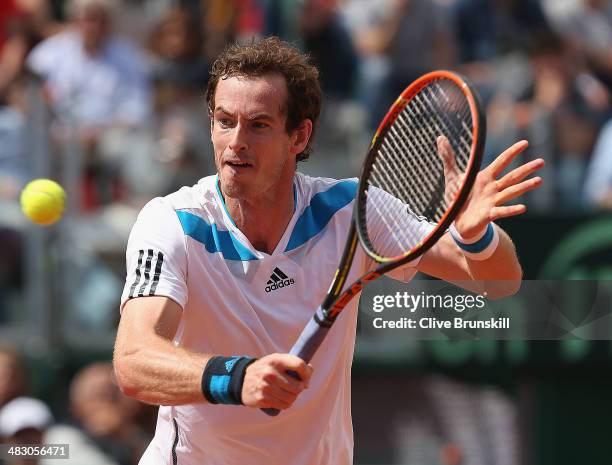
<point>308,342</point>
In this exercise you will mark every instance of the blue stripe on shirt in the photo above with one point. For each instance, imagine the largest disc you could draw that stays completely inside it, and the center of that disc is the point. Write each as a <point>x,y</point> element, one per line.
<point>214,240</point>
<point>323,206</point>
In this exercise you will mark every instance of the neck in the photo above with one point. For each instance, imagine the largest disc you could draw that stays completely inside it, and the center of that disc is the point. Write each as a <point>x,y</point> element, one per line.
<point>263,219</point>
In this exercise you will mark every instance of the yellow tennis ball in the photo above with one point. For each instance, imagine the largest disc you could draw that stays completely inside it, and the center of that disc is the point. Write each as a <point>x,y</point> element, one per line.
<point>43,201</point>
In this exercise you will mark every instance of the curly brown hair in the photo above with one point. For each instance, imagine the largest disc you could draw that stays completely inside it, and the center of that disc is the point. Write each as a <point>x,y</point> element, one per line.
<point>273,56</point>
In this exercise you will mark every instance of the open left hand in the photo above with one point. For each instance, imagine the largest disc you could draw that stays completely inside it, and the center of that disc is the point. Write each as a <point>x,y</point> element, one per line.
<point>487,200</point>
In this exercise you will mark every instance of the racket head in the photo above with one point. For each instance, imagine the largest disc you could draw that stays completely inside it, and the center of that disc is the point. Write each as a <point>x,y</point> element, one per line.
<point>403,163</point>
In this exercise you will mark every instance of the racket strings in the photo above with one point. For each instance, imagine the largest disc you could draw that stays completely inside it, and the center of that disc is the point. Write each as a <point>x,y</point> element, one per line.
<point>391,213</point>
<point>463,132</point>
<point>420,196</point>
<point>401,145</point>
<point>406,184</point>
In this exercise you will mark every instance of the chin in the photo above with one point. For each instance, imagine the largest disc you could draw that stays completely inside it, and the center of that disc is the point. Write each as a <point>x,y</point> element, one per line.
<point>233,188</point>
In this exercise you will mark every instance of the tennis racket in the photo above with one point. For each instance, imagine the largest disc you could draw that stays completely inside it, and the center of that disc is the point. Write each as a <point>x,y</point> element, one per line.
<point>418,172</point>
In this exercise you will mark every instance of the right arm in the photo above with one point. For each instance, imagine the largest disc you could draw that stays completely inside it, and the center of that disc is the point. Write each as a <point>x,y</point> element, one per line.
<point>150,368</point>
<point>147,365</point>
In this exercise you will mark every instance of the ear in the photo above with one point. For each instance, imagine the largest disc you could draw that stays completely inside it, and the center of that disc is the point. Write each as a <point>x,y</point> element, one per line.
<point>300,136</point>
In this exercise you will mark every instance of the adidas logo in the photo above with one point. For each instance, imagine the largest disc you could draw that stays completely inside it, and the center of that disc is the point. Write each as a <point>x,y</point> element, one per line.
<point>278,280</point>
<point>229,365</point>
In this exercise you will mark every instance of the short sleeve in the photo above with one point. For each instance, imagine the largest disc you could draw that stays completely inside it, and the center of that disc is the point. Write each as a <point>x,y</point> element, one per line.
<point>156,258</point>
<point>393,228</point>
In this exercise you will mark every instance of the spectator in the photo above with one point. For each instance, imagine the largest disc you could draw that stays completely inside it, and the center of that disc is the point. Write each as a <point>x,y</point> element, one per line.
<point>107,430</point>
<point>587,25</point>
<point>487,29</point>
<point>23,23</point>
<point>598,183</point>
<point>321,26</point>
<point>96,81</point>
<point>174,146</point>
<point>23,421</point>
<point>394,30</point>
<point>176,46</point>
<point>93,77</point>
<point>14,173</point>
<point>230,20</point>
<point>280,19</point>
<point>557,116</point>
<point>14,167</point>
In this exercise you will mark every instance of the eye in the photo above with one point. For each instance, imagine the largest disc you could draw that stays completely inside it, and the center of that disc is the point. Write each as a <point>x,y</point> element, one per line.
<point>260,125</point>
<point>224,122</point>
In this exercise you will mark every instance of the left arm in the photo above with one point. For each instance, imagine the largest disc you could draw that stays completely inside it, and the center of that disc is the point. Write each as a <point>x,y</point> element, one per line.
<point>499,275</point>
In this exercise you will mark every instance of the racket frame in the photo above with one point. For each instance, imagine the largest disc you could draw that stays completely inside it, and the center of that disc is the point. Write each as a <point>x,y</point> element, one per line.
<point>336,300</point>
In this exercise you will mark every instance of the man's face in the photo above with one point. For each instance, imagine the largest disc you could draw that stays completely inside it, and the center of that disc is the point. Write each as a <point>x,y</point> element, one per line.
<point>254,154</point>
<point>94,22</point>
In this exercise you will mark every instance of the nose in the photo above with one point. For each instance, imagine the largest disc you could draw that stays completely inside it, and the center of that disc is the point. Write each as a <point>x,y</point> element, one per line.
<point>238,141</point>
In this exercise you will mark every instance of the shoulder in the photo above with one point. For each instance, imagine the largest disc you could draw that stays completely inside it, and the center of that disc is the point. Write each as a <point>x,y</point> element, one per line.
<point>48,50</point>
<point>164,216</point>
<point>311,187</point>
<point>202,195</point>
<point>67,38</point>
<point>60,42</point>
<point>321,201</point>
<point>156,226</point>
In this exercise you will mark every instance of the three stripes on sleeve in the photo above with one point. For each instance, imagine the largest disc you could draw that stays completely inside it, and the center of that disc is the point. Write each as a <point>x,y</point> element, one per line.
<point>143,273</point>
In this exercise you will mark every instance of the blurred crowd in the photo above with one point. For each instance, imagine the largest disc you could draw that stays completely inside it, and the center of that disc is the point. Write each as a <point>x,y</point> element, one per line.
<point>100,424</point>
<point>122,84</point>
<point>106,97</point>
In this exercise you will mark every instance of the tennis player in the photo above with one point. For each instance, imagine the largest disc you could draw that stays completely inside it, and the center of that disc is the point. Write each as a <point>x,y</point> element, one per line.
<point>223,276</point>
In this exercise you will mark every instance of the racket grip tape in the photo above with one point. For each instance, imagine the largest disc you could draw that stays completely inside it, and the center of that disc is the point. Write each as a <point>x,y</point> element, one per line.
<point>308,342</point>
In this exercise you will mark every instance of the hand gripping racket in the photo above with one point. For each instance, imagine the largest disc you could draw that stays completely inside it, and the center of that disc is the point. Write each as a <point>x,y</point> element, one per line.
<point>419,170</point>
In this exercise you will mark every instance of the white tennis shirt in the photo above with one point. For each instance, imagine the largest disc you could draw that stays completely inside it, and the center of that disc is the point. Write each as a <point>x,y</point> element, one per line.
<point>237,300</point>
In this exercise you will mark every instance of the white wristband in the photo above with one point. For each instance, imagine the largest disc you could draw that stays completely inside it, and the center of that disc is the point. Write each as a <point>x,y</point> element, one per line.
<point>479,247</point>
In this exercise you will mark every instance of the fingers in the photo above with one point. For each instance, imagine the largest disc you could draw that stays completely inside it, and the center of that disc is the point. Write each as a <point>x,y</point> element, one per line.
<point>452,175</point>
<point>445,151</point>
<point>299,366</point>
<point>501,162</point>
<point>275,381</point>
<point>520,173</point>
<point>278,398</point>
<point>487,198</point>
<point>517,190</point>
<point>512,185</point>
<point>506,211</point>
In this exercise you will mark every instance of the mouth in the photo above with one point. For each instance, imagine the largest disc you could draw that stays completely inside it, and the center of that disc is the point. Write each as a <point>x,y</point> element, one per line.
<point>238,164</point>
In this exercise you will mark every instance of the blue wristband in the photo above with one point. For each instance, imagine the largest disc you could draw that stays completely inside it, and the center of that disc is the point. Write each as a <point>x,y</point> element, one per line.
<point>223,378</point>
<point>479,247</point>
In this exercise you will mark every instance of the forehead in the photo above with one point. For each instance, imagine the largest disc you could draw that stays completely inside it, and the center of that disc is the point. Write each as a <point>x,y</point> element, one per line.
<point>248,95</point>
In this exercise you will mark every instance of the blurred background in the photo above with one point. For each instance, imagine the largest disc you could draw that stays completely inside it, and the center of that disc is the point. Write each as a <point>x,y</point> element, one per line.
<point>106,97</point>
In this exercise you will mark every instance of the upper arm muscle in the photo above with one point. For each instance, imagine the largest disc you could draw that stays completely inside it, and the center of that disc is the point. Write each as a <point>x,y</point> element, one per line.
<point>145,317</point>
